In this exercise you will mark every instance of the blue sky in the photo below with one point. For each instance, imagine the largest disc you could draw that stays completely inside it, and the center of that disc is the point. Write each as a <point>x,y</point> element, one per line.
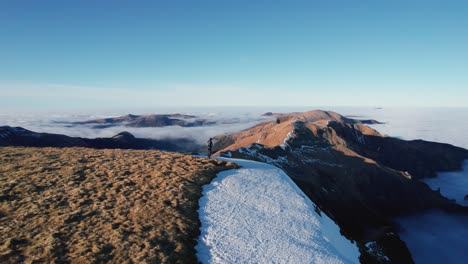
<point>82,54</point>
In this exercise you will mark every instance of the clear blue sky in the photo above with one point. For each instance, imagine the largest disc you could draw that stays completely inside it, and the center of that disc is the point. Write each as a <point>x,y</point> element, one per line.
<point>171,53</point>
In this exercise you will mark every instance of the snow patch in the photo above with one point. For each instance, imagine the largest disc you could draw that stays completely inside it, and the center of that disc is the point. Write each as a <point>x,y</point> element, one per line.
<point>285,141</point>
<point>256,214</point>
<point>374,249</point>
<point>253,151</point>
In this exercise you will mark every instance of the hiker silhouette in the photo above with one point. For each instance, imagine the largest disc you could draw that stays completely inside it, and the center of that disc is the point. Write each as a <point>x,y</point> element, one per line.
<point>210,147</point>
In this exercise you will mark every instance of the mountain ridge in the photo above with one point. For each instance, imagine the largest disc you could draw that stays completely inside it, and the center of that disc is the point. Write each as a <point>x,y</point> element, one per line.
<point>18,136</point>
<point>152,120</point>
<point>359,177</point>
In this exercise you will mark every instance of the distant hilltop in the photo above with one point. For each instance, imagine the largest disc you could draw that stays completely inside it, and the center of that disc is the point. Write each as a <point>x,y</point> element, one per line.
<point>147,121</point>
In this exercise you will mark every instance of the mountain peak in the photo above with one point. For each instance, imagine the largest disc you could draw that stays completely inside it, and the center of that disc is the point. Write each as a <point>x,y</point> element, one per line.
<point>318,126</point>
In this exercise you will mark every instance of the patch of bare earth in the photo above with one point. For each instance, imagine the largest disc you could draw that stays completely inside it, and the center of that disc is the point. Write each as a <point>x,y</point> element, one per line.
<point>82,205</point>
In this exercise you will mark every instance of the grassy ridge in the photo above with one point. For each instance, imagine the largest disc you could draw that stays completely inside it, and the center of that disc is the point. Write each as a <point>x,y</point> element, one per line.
<point>86,205</point>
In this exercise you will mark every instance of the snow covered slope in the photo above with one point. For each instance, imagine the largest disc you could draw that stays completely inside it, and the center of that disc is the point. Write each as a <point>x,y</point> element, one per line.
<point>256,214</point>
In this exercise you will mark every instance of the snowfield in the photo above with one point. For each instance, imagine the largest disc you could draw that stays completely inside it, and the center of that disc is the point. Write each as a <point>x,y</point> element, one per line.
<point>257,214</point>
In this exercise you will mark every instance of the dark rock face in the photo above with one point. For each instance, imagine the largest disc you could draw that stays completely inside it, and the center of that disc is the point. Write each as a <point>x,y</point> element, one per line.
<point>420,158</point>
<point>360,178</point>
<point>17,136</point>
<point>147,121</point>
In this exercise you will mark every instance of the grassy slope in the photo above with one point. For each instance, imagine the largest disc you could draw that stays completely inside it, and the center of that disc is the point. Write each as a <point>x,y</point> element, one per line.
<point>87,205</point>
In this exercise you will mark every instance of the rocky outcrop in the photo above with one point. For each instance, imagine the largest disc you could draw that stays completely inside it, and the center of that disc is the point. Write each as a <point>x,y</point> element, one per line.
<point>17,136</point>
<point>359,177</point>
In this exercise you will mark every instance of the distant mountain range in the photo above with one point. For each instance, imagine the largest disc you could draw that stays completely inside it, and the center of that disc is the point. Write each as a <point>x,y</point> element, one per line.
<point>18,136</point>
<point>147,121</point>
<point>359,177</point>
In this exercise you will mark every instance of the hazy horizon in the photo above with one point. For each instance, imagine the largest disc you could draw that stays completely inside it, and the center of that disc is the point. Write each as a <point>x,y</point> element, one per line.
<point>441,124</point>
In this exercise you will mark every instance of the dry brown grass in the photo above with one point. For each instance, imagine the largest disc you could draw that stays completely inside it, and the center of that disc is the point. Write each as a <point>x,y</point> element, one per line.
<point>83,205</point>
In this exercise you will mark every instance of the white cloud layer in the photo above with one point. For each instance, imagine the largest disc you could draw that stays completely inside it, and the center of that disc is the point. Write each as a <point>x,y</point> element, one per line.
<point>226,122</point>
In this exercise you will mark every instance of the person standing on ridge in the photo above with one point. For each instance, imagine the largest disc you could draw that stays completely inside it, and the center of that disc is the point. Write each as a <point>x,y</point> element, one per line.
<point>210,147</point>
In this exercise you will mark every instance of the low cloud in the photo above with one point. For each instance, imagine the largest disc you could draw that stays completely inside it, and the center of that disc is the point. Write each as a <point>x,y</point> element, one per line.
<point>226,122</point>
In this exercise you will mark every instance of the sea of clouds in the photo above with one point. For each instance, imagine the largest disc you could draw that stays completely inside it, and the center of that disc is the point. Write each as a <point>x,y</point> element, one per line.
<point>226,121</point>
<point>447,125</point>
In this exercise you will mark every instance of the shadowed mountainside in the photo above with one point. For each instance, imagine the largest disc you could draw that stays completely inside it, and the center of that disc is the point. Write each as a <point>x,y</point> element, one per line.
<point>84,205</point>
<point>17,136</point>
<point>359,177</point>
